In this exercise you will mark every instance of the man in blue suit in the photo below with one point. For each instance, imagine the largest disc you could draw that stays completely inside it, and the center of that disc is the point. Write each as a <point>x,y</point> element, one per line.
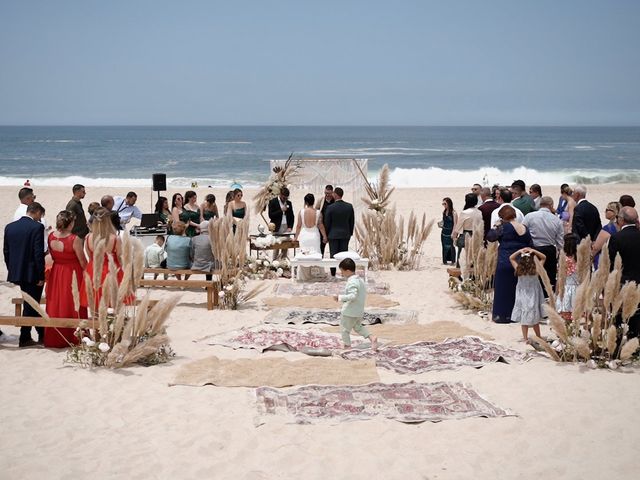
<point>24,256</point>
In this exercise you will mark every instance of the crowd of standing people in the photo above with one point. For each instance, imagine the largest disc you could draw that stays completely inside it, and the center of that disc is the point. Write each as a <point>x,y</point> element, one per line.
<point>529,225</point>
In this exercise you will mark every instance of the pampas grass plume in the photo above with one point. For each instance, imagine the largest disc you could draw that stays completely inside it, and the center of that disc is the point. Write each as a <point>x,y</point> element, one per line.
<point>629,348</point>
<point>558,324</point>
<point>545,280</point>
<point>582,347</point>
<point>583,267</point>
<point>612,339</point>
<point>547,348</point>
<point>75,292</point>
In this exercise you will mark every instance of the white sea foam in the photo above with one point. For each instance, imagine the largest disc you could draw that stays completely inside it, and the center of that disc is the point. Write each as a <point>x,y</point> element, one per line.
<point>439,177</point>
<point>174,182</point>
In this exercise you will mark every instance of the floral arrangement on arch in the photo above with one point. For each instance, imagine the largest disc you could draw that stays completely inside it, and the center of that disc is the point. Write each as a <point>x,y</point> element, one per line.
<point>279,179</point>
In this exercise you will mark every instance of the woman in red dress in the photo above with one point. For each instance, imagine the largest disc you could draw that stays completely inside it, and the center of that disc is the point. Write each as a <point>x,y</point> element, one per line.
<point>102,229</point>
<point>68,257</point>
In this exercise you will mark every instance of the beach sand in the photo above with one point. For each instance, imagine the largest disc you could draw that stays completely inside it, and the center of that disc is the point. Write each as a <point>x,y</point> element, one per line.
<point>60,421</point>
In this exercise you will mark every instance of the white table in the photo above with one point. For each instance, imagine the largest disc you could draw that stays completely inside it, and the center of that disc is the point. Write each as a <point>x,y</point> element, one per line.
<point>324,263</point>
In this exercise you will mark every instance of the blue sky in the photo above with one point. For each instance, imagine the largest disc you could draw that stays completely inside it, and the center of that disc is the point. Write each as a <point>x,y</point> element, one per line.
<point>320,63</point>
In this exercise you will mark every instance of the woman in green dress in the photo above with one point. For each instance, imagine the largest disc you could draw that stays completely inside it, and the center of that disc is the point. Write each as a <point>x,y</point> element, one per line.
<point>237,207</point>
<point>191,214</point>
<point>162,209</point>
<point>209,208</point>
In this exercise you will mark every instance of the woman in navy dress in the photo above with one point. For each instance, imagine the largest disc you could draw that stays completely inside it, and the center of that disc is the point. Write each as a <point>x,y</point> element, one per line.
<point>512,236</point>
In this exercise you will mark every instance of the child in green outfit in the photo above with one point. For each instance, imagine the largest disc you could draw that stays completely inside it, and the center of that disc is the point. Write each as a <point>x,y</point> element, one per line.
<point>353,305</point>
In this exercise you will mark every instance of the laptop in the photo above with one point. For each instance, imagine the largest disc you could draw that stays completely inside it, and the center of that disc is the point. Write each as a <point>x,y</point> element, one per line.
<point>149,220</point>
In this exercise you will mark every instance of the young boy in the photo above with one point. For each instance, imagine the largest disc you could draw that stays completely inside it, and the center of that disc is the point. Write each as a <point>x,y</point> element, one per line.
<point>353,305</point>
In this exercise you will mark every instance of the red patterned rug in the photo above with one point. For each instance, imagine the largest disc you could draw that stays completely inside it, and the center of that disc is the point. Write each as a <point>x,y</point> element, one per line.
<point>330,287</point>
<point>427,356</point>
<point>284,339</point>
<point>405,402</point>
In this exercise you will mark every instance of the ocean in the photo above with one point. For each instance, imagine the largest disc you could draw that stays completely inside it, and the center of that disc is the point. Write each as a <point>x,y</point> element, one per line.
<point>220,156</point>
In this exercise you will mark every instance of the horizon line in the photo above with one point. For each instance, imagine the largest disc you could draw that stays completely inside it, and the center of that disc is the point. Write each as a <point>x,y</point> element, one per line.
<point>140,125</point>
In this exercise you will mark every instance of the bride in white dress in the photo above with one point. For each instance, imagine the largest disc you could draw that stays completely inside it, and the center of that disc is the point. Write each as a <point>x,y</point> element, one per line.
<point>309,231</point>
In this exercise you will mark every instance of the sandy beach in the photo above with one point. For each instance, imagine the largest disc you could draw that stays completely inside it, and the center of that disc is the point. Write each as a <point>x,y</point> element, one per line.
<point>60,421</point>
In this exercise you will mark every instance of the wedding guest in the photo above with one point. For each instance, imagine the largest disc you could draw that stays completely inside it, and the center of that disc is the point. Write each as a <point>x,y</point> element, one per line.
<point>547,235</point>
<point>626,242</point>
<point>449,219</point>
<point>339,223</point>
<point>536,194</point>
<point>562,202</point>
<point>154,254</point>
<point>107,202</point>
<point>503,198</point>
<point>126,208</point>
<point>281,215</point>
<point>191,214</point>
<point>487,207</point>
<point>327,200</point>
<point>476,189</point>
<point>201,253</point>
<point>162,209</point>
<point>75,205</point>
<point>67,253</point>
<point>177,206</point>
<point>527,308</point>
<point>209,208</point>
<point>92,208</point>
<point>627,201</point>
<point>512,236</point>
<point>567,214</point>
<point>104,232</point>
<point>227,198</point>
<point>24,256</point>
<point>237,207</point>
<point>586,218</point>
<point>521,200</point>
<point>566,301</point>
<point>178,248</point>
<point>27,197</point>
<point>468,220</point>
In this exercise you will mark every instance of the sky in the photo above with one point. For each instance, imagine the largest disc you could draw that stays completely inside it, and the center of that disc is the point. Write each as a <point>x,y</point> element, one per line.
<point>324,62</point>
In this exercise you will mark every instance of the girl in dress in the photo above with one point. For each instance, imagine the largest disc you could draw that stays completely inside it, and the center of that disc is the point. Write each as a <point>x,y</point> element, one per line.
<point>191,214</point>
<point>209,208</point>
<point>309,231</point>
<point>449,219</point>
<point>68,257</point>
<point>564,303</point>
<point>527,308</point>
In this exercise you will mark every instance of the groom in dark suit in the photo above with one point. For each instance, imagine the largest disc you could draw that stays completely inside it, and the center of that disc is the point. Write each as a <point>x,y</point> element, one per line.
<point>24,256</point>
<point>281,215</point>
<point>339,223</point>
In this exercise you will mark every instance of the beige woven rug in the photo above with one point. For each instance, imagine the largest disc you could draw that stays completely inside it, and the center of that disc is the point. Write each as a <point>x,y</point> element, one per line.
<point>412,333</point>
<point>304,301</point>
<point>276,372</point>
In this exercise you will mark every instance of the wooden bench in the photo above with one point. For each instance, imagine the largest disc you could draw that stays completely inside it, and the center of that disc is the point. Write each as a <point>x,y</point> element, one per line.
<point>19,302</point>
<point>20,321</point>
<point>210,285</point>
<point>325,263</point>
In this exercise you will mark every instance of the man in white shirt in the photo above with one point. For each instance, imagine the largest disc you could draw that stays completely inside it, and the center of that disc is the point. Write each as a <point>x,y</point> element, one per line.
<point>547,234</point>
<point>27,197</point>
<point>504,197</point>
<point>126,208</point>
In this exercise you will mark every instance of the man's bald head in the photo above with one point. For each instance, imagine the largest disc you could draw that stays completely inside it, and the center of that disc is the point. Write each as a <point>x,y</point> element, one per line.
<point>107,202</point>
<point>629,216</point>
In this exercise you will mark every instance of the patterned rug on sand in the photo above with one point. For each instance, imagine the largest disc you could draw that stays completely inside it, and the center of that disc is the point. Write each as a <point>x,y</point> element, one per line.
<point>324,301</point>
<point>427,356</point>
<point>330,287</point>
<point>293,316</point>
<point>405,402</point>
<point>265,338</point>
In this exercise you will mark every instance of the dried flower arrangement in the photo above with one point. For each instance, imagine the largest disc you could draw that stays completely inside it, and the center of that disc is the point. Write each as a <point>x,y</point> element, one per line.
<point>280,178</point>
<point>263,268</point>
<point>126,334</point>
<point>381,234</point>
<point>597,331</point>
<point>475,291</point>
<point>230,250</point>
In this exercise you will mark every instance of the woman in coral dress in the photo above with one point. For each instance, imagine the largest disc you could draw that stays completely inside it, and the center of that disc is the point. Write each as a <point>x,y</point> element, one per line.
<point>102,229</point>
<point>68,257</point>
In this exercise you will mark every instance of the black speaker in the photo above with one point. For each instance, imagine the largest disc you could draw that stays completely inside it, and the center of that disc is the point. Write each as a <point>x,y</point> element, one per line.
<point>159,182</point>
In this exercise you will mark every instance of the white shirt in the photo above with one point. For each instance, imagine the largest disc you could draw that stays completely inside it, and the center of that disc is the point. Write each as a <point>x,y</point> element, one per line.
<point>545,228</point>
<point>21,211</point>
<point>283,222</point>
<point>154,254</point>
<point>124,211</point>
<point>495,217</point>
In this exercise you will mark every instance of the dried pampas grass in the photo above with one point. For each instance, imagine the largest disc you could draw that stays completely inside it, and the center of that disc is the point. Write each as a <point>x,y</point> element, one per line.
<point>581,346</point>
<point>547,348</point>
<point>542,273</point>
<point>612,339</point>
<point>561,280</point>
<point>583,267</point>
<point>558,324</point>
<point>630,298</point>
<point>75,293</point>
<point>629,349</point>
